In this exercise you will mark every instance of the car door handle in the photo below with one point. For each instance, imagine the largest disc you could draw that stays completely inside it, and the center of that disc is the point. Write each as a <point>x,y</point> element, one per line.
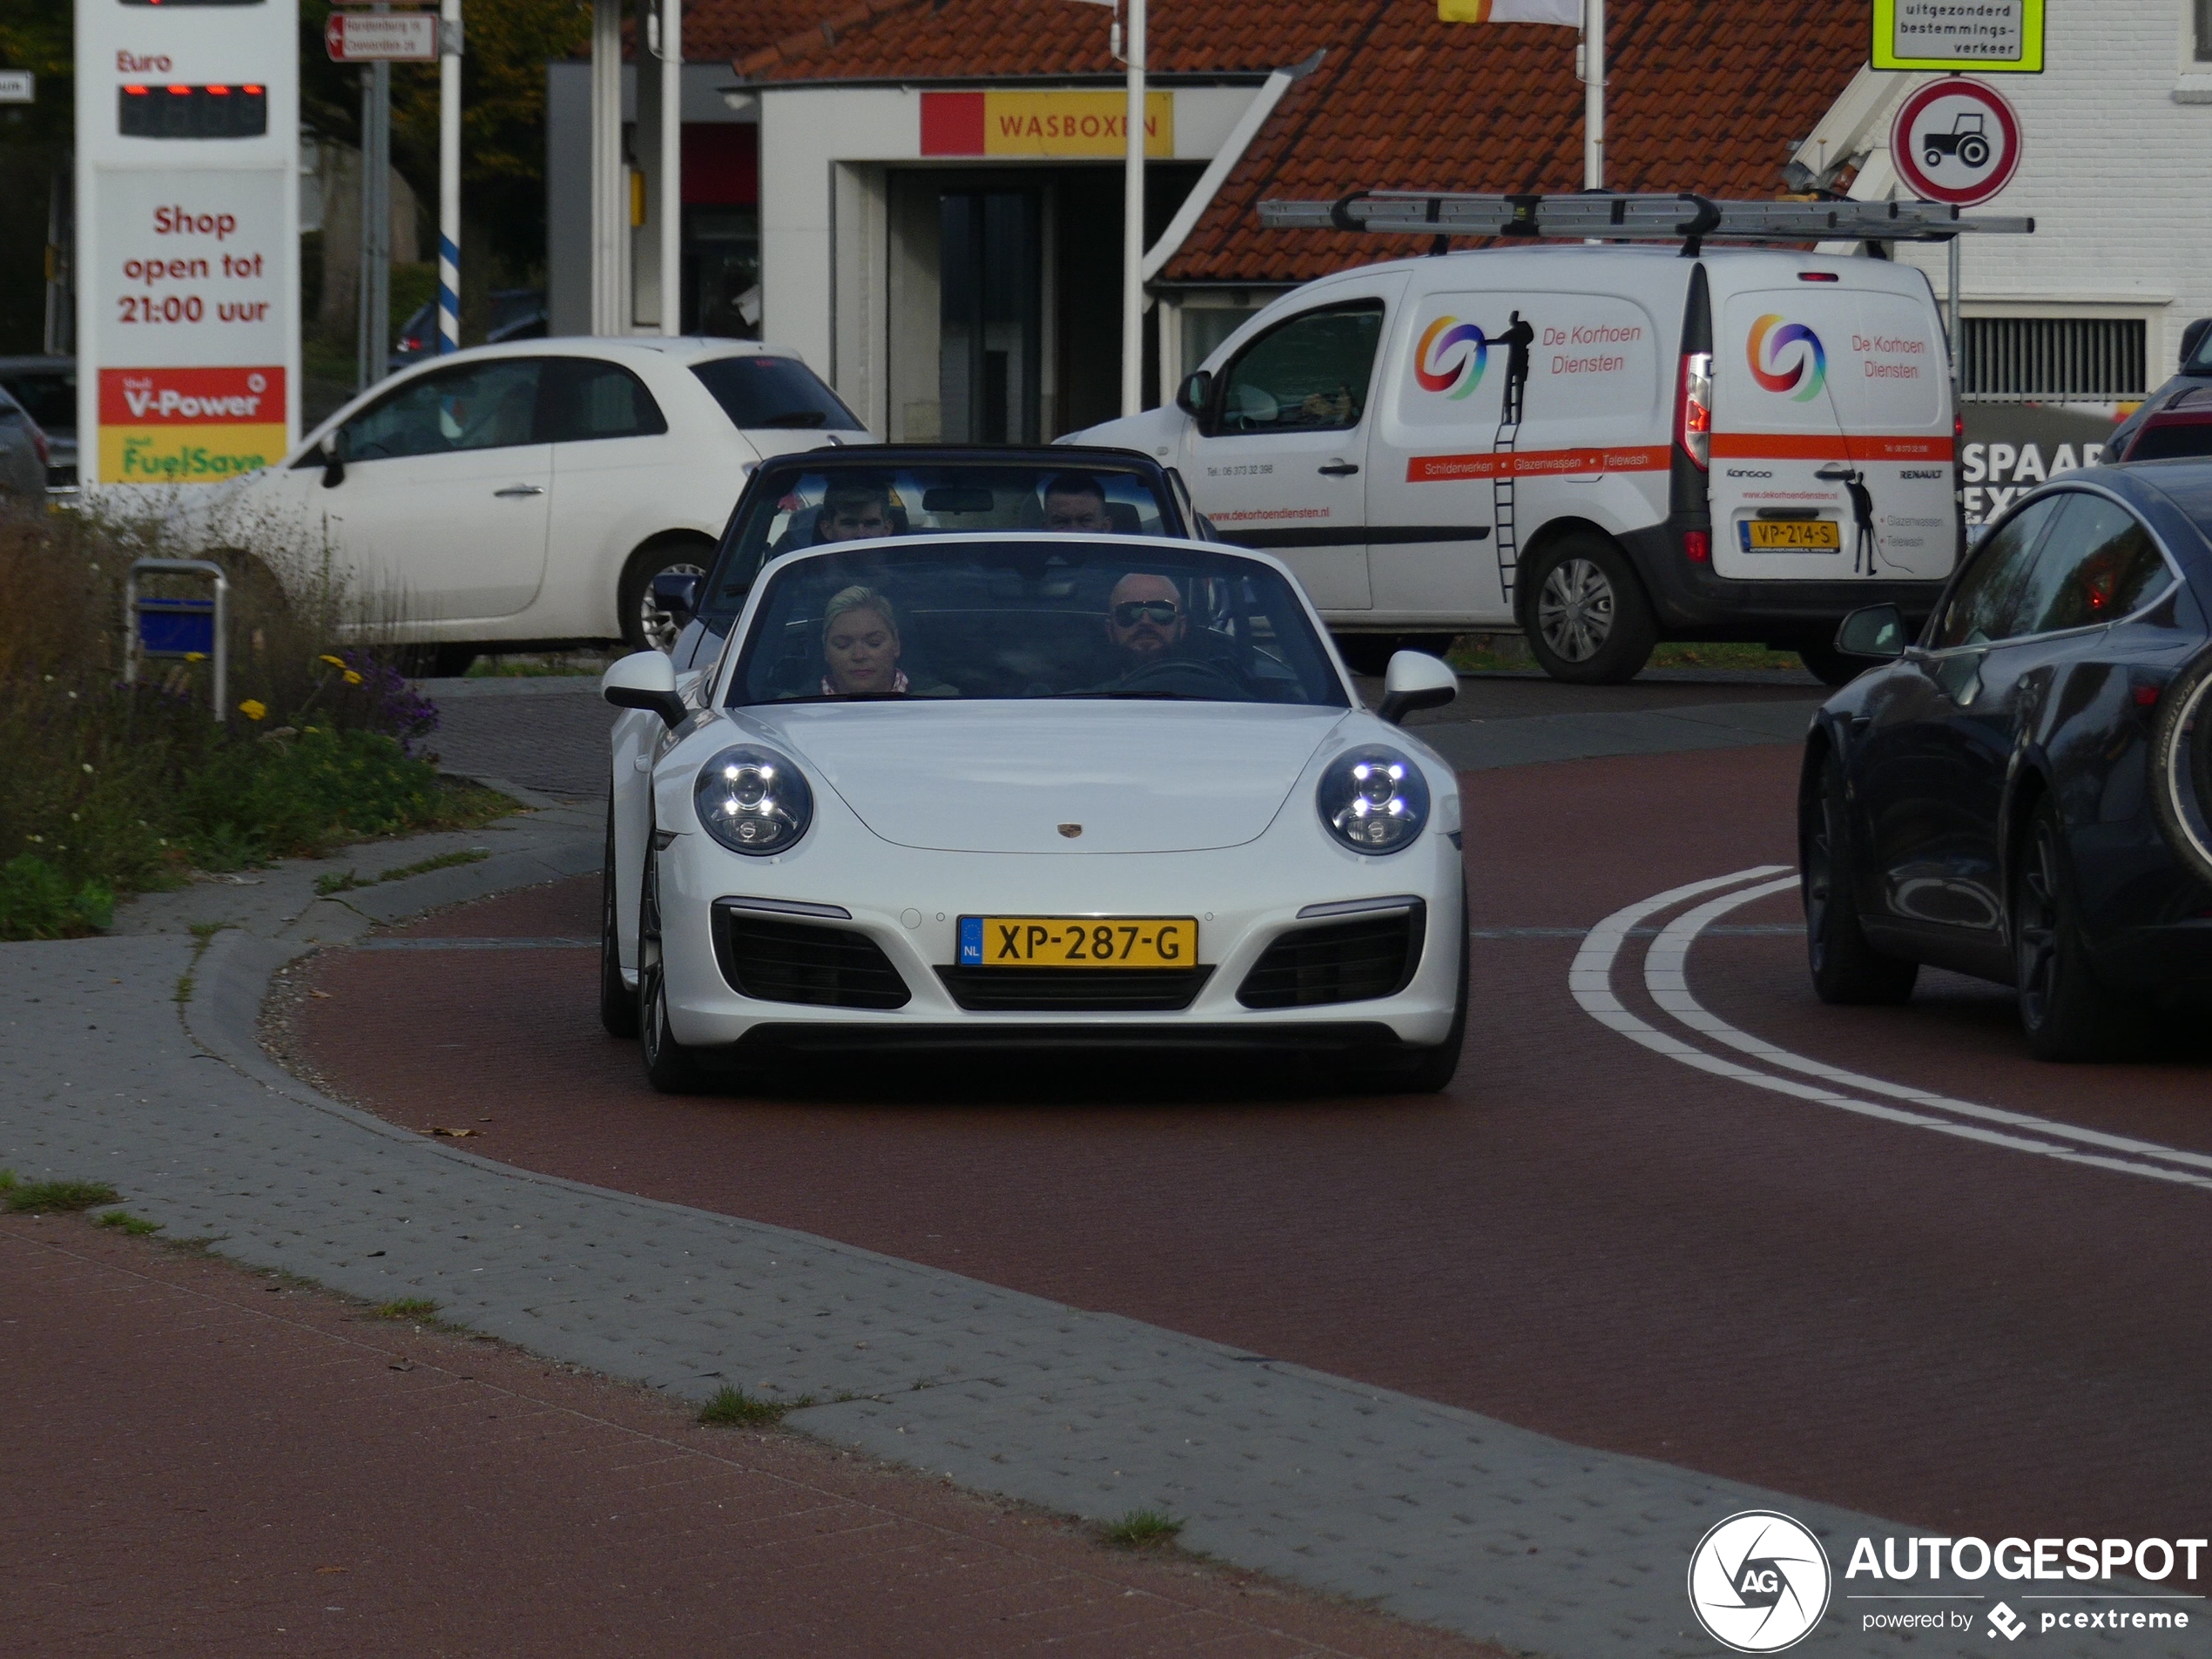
<point>1338,470</point>
<point>520,490</point>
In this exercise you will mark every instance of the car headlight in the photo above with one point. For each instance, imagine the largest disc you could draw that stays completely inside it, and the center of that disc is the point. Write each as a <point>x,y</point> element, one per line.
<point>1374,799</point>
<point>753,799</point>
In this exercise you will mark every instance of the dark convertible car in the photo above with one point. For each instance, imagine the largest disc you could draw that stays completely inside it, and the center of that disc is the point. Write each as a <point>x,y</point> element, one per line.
<point>2023,794</point>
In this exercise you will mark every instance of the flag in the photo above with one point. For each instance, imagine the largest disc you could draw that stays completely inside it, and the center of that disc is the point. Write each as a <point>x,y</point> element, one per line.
<point>1568,12</point>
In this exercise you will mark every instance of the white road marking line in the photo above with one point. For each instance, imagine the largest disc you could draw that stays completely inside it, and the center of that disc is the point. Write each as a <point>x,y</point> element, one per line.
<point>1665,977</point>
<point>1590,980</point>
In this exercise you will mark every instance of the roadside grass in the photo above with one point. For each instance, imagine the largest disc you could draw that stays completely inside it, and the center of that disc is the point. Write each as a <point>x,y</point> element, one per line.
<point>1142,1529</point>
<point>330,886</point>
<point>137,1226</point>
<point>420,1308</point>
<point>54,1198</point>
<point>734,1408</point>
<point>542,664</point>
<point>112,788</point>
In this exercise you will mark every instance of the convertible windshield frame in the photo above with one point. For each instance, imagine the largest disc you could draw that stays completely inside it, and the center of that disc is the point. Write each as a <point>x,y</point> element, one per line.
<point>740,555</point>
<point>1024,617</point>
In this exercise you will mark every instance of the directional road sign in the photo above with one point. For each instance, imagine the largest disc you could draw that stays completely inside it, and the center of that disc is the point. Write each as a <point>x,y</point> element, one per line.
<point>392,37</point>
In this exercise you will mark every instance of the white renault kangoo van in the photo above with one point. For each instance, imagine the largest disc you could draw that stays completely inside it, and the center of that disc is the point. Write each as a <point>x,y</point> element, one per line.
<point>1599,445</point>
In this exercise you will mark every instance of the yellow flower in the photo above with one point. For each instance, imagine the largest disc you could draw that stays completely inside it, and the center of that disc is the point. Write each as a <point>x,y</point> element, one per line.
<point>353,677</point>
<point>335,661</point>
<point>252,709</point>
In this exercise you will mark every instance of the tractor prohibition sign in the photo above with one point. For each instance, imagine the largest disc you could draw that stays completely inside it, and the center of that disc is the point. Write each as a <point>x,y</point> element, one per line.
<point>1956,141</point>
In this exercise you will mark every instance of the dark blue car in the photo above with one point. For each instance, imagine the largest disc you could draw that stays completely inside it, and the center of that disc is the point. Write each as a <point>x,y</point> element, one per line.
<point>2024,794</point>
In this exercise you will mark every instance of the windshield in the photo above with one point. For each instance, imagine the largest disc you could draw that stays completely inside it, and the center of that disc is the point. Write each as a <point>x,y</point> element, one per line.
<point>1012,617</point>
<point>756,391</point>
<point>794,507</point>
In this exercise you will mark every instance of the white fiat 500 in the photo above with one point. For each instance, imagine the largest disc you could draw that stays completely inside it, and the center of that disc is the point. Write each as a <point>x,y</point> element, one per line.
<point>1030,790</point>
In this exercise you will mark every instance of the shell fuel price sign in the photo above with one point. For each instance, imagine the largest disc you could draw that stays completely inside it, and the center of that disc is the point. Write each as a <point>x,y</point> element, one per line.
<point>188,330</point>
<point>189,425</point>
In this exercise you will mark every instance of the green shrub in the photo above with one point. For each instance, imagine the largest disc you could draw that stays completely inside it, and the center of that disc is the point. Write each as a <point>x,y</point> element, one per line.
<point>112,788</point>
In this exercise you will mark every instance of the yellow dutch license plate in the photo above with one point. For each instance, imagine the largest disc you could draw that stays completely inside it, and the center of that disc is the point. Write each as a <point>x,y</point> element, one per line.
<point>1791,535</point>
<point>1078,941</point>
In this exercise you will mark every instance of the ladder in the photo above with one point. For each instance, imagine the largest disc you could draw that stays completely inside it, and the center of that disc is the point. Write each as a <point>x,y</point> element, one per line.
<point>1602,216</point>
<point>1507,441</point>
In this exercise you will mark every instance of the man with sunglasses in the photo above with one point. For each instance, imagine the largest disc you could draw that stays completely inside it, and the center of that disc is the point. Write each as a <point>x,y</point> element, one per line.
<point>1145,620</point>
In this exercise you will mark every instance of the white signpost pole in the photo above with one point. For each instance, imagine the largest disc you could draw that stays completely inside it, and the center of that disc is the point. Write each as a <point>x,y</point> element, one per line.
<point>188,235</point>
<point>1594,95</point>
<point>449,177</point>
<point>1133,222</point>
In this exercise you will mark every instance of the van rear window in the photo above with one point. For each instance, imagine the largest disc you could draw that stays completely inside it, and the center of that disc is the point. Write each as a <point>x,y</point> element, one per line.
<point>763,391</point>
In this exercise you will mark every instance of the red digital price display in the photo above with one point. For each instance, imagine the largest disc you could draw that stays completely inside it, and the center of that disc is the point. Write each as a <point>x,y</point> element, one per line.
<point>155,109</point>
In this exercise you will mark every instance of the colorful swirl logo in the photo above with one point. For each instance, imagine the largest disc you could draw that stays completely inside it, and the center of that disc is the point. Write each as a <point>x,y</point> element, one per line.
<point>1805,376</point>
<point>1460,376</point>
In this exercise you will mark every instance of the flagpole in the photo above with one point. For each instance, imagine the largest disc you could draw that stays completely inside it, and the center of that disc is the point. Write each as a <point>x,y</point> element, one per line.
<point>1594,94</point>
<point>1133,222</point>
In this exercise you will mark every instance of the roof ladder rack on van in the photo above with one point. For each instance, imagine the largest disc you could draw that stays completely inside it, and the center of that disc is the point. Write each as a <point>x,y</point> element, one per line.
<point>1602,216</point>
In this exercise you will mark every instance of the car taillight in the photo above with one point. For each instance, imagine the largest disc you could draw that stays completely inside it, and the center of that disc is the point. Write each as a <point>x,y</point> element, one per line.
<point>39,442</point>
<point>1694,408</point>
<point>1697,546</point>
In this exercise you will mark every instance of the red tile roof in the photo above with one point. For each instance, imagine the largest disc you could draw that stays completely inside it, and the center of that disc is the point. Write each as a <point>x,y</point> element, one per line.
<point>1706,95</point>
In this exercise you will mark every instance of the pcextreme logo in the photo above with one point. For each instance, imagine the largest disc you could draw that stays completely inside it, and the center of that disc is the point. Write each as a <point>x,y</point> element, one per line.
<point>1456,375</point>
<point>1759,1582</point>
<point>1805,376</point>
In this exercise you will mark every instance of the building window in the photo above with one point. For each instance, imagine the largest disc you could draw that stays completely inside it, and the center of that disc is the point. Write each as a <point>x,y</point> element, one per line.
<point>2014,360</point>
<point>2204,10</point>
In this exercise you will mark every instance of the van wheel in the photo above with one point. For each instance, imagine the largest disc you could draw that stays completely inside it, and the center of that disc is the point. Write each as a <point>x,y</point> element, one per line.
<point>1587,621</point>
<point>1827,664</point>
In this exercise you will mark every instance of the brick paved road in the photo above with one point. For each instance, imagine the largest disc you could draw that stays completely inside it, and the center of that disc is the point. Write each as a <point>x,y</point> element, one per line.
<point>206,1462</point>
<point>1582,1238</point>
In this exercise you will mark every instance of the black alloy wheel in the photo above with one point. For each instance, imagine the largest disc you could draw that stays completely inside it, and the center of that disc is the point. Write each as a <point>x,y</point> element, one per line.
<point>645,627</point>
<point>2065,1013</point>
<point>1588,622</point>
<point>618,1002</point>
<point>1847,970</point>
<point>670,1067</point>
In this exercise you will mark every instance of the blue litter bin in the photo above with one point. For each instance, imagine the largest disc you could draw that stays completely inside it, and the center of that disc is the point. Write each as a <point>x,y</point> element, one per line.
<point>160,626</point>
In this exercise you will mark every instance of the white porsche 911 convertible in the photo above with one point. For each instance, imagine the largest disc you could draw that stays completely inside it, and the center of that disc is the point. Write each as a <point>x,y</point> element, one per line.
<point>1034,791</point>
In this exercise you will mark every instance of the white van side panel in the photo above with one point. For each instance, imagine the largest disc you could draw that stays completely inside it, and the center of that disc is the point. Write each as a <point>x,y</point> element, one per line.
<point>1458,488</point>
<point>1844,379</point>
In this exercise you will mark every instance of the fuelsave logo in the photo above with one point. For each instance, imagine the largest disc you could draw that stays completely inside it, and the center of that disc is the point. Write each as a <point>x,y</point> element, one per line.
<point>1440,365</point>
<point>1805,376</point>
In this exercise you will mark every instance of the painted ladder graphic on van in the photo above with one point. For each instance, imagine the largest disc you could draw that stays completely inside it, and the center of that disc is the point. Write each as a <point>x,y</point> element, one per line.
<point>1517,339</point>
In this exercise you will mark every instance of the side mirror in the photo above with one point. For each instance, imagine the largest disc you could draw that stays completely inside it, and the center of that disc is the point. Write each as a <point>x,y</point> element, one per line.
<point>1196,392</point>
<point>676,592</point>
<point>644,679</point>
<point>1416,680</point>
<point>333,462</point>
<point>1875,631</point>
<point>2192,338</point>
